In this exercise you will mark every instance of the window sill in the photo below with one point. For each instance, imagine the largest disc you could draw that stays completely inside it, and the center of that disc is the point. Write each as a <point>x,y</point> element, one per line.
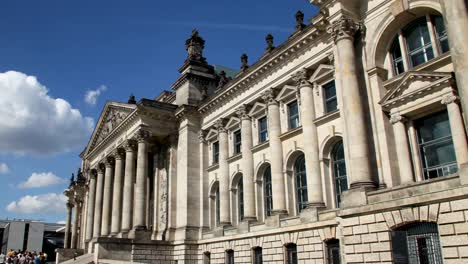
<point>213,167</point>
<point>291,133</point>
<point>328,117</point>
<point>234,157</point>
<point>260,146</point>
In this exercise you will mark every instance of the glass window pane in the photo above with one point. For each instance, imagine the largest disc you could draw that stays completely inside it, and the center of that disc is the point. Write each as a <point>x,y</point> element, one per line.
<point>293,112</point>
<point>441,33</point>
<point>267,190</point>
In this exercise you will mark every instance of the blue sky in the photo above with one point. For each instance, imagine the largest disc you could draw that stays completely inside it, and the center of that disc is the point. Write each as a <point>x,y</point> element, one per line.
<point>115,47</point>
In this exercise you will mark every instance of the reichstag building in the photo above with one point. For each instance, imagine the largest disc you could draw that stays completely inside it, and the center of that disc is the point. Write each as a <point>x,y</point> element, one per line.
<point>344,144</point>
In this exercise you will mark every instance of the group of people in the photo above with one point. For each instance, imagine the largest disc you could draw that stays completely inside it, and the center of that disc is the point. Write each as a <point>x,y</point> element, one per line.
<point>23,257</point>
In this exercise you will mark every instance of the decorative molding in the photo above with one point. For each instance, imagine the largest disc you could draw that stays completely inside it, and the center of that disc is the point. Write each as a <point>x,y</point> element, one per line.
<point>344,28</point>
<point>242,112</point>
<point>269,97</point>
<point>449,98</point>
<point>219,125</point>
<point>395,118</point>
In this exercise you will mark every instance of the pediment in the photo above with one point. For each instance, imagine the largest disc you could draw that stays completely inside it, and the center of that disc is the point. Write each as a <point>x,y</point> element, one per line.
<point>287,92</point>
<point>258,109</point>
<point>232,123</point>
<point>415,84</point>
<point>112,115</point>
<point>211,134</point>
<point>321,72</point>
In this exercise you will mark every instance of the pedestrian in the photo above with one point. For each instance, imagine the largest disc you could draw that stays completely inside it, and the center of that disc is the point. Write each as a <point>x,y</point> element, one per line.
<point>2,258</point>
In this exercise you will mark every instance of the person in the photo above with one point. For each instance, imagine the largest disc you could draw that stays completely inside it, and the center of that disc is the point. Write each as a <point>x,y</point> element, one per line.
<point>2,258</point>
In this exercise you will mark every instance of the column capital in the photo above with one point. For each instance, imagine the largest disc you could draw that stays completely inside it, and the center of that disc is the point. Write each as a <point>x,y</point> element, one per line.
<point>301,79</point>
<point>344,28</point>
<point>395,118</point>
<point>269,97</point>
<point>100,168</point>
<point>242,112</point>
<point>70,205</point>
<point>142,135</point>
<point>117,154</point>
<point>448,99</point>
<point>129,145</point>
<point>108,162</point>
<point>201,136</point>
<point>219,125</point>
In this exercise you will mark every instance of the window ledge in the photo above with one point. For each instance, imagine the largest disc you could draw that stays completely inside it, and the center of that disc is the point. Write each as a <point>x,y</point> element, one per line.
<point>260,146</point>
<point>291,133</point>
<point>328,117</point>
<point>213,167</point>
<point>235,157</point>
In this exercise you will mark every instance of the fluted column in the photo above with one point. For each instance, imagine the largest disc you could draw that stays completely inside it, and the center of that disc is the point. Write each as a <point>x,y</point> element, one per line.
<point>66,243</point>
<point>402,147</point>
<point>310,138</point>
<point>457,129</point>
<point>117,193</point>
<point>127,203</point>
<point>276,154</point>
<point>247,164</point>
<point>140,186</point>
<point>456,21</point>
<point>76,223</point>
<point>355,140</point>
<point>98,202</point>
<point>90,205</point>
<point>107,197</point>
<point>225,208</point>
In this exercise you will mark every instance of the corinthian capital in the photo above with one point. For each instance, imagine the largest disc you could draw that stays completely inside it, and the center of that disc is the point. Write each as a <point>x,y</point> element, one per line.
<point>219,125</point>
<point>269,97</point>
<point>201,136</point>
<point>395,118</point>
<point>117,154</point>
<point>142,135</point>
<point>344,28</point>
<point>129,145</point>
<point>301,79</point>
<point>242,112</point>
<point>448,99</point>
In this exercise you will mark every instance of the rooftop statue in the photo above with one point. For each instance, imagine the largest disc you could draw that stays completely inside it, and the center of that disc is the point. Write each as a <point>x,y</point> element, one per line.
<point>244,62</point>
<point>300,21</point>
<point>269,42</point>
<point>194,46</point>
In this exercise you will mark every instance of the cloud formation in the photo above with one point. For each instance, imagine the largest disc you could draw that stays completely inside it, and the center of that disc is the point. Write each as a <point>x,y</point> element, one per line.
<point>32,122</point>
<point>4,168</point>
<point>38,180</point>
<point>91,96</point>
<point>50,203</point>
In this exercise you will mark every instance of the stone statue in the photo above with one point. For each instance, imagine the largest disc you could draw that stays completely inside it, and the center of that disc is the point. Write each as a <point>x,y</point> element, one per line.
<point>223,80</point>
<point>131,99</point>
<point>300,21</point>
<point>244,62</point>
<point>72,179</point>
<point>194,46</point>
<point>269,42</point>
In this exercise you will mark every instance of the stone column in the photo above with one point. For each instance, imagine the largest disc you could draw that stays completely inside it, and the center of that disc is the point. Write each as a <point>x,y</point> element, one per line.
<point>98,204</point>
<point>224,201</point>
<point>402,148</point>
<point>355,140</point>
<point>276,154</point>
<point>141,175</point>
<point>127,203</point>
<point>310,138</point>
<point>76,222</point>
<point>66,243</point>
<point>457,129</point>
<point>117,193</point>
<point>456,21</point>
<point>90,206</point>
<point>107,197</point>
<point>247,164</point>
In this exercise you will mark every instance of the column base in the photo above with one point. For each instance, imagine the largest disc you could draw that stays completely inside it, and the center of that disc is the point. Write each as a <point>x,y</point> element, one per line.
<point>140,234</point>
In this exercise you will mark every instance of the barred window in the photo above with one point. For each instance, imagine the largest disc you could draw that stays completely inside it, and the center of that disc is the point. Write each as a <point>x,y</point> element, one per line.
<point>301,182</point>
<point>333,251</point>
<point>257,255</point>
<point>267,191</point>
<point>230,256</point>
<point>291,254</point>
<point>340,179</point>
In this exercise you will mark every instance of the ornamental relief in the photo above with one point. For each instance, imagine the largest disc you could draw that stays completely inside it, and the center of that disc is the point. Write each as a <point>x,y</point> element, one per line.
<point>111,120</point>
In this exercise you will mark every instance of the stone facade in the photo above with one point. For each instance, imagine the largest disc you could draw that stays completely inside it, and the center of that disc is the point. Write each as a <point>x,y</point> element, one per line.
<point>345,144</point>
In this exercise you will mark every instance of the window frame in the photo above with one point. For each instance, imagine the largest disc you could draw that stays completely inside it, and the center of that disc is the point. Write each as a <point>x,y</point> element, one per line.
<point>240,199</point>
<point>325,87</point>
<point>290,253</point>
<point>267,186</point>
<point>237,142</point>
<point>230,259</point>
<point>332,244</point>
<point>215,152</point>
<point>262,131</point>
<point>300,177</point>
<point>217,208</point>
<point>257,255</point>
<point>295,117</point>
<point>206,257</point>
<point>337,179</point>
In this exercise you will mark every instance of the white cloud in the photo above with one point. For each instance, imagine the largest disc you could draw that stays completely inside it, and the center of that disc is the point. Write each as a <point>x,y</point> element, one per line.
<point>4,168</point>
<point>91,96</point>
<point>32,122</point>
<point>51,203</point>
<point>62,222</point>
<point>37,180</point>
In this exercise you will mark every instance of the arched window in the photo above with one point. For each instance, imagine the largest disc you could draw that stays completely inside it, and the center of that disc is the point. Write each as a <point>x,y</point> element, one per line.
<point>206,258</point>
<point>291,254</point>
<point>423,39</point>
<point>416,243</point>
<point>217,213</point>
<point>267,191</point>
<point>339,171</point>
<point>301,182</point>
<point>257,255</point>
<point>333,251</point>
<point>240,199</point>
<point>229,256</point>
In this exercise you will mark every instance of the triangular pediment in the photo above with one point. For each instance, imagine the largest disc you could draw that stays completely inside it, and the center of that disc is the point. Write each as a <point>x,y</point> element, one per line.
<point>287,92</point>
<point>112,115</point>
<point>258,109</point>
<point>213,133</point>
<point>233,123</point>
<point>323,71</point>
<point>415,84</point>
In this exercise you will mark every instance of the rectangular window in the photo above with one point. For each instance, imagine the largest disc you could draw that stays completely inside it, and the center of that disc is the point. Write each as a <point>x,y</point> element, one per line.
<point>262,129</point>
<point>438,22</point>
<point>293,115</point>
<point>237,142</point>
<point>291,254</point>
<point>258,257</point>
<point>230,256</point>
<point>436,146</point>
<point>215,149</point>
<point>218,206</point>
<point>333,252</point>
<point>331,102</point>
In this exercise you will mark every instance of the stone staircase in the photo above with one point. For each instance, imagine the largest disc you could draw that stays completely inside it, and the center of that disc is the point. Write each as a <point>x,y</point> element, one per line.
<point>83,259</point>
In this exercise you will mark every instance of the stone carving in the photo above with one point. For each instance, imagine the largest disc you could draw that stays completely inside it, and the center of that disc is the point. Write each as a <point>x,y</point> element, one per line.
<point>219,125</point>
<point>117,154</point>
<point>113,118</point>
<point>269,42</point>
<point>201,136</point>
<point>142,135</point>
<point>269,97</point>
<point>345,27</point>
<point>395,118</point>
<point>300,21</point>
<point>109,162</point>
<point>129,146</point>
<point>223,80</point>
<point>300,78</point>
<point>448,99</point>
<point>244,62</point>
<point>131,99</point>
<point>242,112</point>
<point>194,46</point>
